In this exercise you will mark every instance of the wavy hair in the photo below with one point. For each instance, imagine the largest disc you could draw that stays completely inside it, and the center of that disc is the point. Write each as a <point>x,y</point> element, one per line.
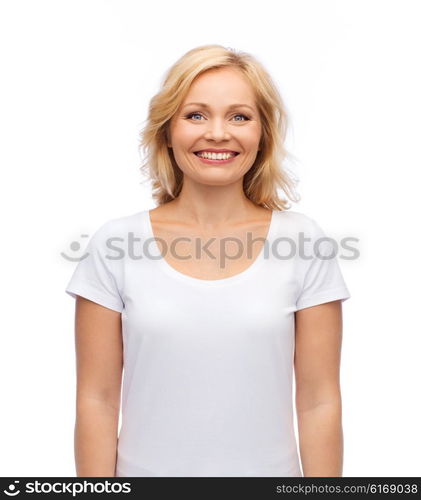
<point>268,172</point>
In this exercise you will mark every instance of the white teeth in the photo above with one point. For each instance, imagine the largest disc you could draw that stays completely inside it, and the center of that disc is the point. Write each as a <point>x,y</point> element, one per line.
<point>215,156</point>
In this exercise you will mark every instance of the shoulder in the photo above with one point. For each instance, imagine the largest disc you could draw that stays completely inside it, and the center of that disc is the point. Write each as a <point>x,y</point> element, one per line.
<point>119,226</point>
<point>304,232</point>
<point>110,240</point>
<point>291,220</point>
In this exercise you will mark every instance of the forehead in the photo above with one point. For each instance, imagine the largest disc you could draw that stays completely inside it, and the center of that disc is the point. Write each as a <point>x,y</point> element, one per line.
<point>219,86</point>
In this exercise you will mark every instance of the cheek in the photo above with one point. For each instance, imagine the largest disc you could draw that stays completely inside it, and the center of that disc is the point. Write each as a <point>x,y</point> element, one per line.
<point>251,138</point>
<point>184,135</point>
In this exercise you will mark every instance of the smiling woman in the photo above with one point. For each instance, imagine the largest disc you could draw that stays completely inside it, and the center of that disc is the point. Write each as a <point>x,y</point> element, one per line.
<point>209,333</point>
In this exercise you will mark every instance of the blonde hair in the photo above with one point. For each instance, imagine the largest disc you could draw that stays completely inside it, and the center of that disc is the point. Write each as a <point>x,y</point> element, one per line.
<point>268,172</point>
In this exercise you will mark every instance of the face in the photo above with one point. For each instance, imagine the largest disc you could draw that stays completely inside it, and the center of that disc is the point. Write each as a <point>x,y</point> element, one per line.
<point>218,113</point>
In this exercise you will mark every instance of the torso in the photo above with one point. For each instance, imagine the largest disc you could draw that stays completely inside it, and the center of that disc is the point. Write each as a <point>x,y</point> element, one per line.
<point>199,264</point>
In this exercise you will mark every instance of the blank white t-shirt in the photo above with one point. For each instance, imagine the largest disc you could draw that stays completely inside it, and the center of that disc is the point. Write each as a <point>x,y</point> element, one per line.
<point>208,364</point>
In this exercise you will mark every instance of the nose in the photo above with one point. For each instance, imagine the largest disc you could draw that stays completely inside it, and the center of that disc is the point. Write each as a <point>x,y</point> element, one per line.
<point>217,131</point>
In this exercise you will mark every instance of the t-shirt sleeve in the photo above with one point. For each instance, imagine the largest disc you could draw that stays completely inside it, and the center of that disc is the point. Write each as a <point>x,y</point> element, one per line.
<point>94,277</point>
<point>322,277</point>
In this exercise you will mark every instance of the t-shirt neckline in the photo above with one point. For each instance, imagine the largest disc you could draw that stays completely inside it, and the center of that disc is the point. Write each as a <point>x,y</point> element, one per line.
<point>168,269</point>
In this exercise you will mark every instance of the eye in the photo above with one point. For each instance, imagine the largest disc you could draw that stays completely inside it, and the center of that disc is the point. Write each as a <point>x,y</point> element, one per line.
<point>244,116</point>
<point>190,115</point>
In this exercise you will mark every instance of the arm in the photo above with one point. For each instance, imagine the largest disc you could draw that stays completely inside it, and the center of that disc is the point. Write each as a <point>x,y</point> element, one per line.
<point>318,337</point>
<point>99,362</point>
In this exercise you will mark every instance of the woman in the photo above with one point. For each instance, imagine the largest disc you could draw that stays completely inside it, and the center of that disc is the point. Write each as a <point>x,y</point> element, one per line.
<point>209,323</point>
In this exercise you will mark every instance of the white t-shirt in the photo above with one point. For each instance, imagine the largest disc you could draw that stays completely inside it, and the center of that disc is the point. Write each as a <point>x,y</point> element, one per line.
<point>208,365</point>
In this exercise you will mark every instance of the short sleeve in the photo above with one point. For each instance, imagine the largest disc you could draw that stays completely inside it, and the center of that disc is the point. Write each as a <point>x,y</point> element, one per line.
<point>322,277</point>
<point>94,277</point>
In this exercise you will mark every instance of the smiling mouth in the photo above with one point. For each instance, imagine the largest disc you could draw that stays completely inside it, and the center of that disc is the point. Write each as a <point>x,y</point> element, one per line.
<point>216,156</point>
<point>214,160</point>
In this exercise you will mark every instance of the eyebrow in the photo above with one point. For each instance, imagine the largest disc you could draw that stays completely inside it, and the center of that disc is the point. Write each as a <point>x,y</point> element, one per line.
<point>204,105</point>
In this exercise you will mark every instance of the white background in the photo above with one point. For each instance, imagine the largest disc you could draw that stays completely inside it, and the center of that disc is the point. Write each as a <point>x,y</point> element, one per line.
<point>76,80</point>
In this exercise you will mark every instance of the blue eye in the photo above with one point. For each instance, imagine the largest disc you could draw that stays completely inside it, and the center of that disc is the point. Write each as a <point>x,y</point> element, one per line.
<point>244,116</point>
<point>190,116</point>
